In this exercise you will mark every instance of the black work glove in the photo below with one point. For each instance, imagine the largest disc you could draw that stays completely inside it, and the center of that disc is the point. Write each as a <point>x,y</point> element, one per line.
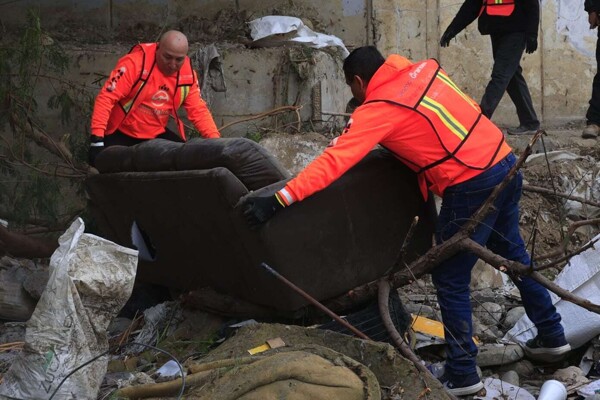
<point>531,44</point>
<point>258,210</point>
<point>446,37</point>
<point>96,146</point>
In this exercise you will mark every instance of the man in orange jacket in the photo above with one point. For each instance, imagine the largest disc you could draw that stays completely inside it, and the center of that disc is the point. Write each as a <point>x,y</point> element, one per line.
<point>147,86</point>
<point>420,115</point>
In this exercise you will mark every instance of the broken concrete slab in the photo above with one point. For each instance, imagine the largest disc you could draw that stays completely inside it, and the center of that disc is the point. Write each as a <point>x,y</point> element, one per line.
<point>498,354</point>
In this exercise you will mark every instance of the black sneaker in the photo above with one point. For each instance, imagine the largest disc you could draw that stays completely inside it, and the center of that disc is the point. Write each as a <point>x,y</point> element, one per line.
<point>546,350</point>
<point>462,385</point>
<point>522,130</point>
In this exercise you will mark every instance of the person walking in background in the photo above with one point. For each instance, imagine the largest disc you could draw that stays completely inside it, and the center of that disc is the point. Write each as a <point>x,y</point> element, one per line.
<point>147,86</point>
<point>592,129</point>
<point>513,28</point>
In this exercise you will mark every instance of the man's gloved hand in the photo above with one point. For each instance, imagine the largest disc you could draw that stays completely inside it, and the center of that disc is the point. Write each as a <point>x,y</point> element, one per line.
<point>96,146</point>
<point>257,210</point>
<point>446,37</point>
<point>531,44</point>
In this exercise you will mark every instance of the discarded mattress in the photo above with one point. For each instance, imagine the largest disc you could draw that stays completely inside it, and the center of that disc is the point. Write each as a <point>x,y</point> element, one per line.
<point>185,199</point>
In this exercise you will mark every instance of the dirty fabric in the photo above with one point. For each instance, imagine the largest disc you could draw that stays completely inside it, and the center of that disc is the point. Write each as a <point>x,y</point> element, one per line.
<point>396,375</point>
<point>210,70</point>
<point>296,375</point>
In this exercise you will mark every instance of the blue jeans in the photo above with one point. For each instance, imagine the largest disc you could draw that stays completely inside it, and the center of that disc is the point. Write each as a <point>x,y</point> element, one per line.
<point>499,231</point>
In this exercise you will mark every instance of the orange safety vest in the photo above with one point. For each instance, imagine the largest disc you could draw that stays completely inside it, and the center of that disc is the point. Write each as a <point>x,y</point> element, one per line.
<point>185,79</point>
<point>462,132</point>
<point>498,8</point>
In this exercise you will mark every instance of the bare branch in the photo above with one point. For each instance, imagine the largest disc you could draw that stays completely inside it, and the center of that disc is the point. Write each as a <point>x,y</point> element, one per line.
<point>570,231</point>
<point>566,257</point>
<point>275,111</point>
<point>18,245</point>
<point>516,268</point>
<point>537,189</point>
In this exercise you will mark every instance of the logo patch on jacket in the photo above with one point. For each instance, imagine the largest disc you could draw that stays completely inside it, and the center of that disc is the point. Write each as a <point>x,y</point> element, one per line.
<point>160,98</point>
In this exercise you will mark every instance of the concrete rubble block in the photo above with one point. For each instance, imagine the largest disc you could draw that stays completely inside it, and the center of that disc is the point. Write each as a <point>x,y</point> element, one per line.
<point>485,332</point>
<point>484,276</point>
<point>489,313</point>
<point>511,377</point>
<point>498,354</point>
<point>421,310</point>
<point>36,281</point>
<point>513,315</point>
<point>15,303</point>
<point>295,152</point>
<point>524,368</point>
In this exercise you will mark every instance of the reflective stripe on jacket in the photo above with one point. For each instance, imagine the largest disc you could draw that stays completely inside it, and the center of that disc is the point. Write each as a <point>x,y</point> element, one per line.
<point>418,113</point>
<point>454,117</point>
<point>500,8</point>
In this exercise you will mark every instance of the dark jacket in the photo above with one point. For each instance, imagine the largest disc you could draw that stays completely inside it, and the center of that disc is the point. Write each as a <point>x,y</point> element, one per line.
<point>525,18</point>
<point>592,5</point>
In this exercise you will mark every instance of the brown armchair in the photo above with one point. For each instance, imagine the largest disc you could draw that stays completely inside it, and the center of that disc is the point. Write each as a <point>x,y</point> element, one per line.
<point>185,197</point>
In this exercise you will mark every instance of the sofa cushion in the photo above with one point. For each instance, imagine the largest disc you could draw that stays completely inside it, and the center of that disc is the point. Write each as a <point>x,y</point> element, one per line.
<point>247,160</point>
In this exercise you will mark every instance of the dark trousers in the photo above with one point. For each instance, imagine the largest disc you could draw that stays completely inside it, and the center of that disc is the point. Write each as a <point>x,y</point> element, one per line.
<point>593,112</point>
<point>118,138</point>
<point>499,231</point>
<point>507,76</point>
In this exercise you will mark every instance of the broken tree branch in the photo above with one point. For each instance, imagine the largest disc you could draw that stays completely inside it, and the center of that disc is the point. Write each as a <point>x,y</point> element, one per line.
<point>18,245</point>
<point>567,256</point>
<point>538,189</point>
<point>384,311</point>
<point>570,231</point>
<point>517,268</point>
<point>274,111</point>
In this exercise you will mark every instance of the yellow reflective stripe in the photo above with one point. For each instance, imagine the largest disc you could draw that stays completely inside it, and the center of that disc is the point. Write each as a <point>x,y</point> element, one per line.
<point>445,79</point>
<point>128,105</point>
<point>445,116</point>
<point>184,91</point>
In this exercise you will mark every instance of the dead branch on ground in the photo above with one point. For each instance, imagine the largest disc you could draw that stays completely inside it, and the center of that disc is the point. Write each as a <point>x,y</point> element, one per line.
<point>405,350</point>
<point>18,245</point>
<point>564,245</point>
<point>538,189</point>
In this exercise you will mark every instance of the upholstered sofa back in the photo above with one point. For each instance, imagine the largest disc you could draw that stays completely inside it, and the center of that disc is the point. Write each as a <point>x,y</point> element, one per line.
<point>342,237</point>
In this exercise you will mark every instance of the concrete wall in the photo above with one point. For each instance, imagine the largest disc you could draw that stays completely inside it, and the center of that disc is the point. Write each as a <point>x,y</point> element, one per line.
<point>559,74</point>
<point>343,18</point>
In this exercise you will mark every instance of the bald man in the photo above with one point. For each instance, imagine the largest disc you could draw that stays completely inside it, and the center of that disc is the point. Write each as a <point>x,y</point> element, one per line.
<point>145,89</point>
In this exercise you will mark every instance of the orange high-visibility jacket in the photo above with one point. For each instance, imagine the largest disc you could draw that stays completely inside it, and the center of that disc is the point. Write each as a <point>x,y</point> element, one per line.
<point>138,99</point>
<point>501,8</point>
<point>420,115</point>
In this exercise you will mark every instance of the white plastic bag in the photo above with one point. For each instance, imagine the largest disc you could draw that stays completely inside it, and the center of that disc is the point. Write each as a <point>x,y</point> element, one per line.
<point>293,30</point>
<point>91,278</point>
<point>582,278</point>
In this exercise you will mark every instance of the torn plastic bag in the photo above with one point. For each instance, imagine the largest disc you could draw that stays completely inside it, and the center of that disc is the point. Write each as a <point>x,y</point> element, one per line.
<point>581,276</point>
<point>91,278</point>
